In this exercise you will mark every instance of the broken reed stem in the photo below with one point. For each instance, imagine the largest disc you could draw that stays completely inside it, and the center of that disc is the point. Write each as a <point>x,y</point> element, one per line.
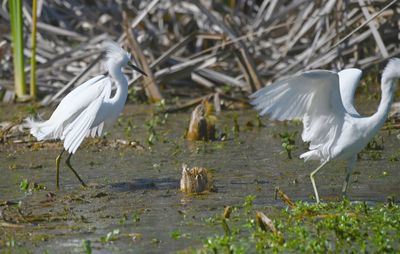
<point>152,91</point>
<point>362,25</point>
<point>265,223</point>
<point>284,197</point>
<point>227,212</point>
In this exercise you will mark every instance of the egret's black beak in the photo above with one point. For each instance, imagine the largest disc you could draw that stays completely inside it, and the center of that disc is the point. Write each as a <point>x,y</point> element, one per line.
<point>130,64</point>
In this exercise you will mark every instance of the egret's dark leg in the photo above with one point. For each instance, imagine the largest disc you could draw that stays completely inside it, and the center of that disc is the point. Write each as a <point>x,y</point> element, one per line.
<point>349,172</point>
<point>68,162</point>
<point>313,181</point>
<point>58,169</point>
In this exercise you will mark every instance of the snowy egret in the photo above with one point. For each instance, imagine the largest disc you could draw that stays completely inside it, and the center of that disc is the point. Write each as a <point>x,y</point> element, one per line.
<point>323,100</point>
<point>86,109</point>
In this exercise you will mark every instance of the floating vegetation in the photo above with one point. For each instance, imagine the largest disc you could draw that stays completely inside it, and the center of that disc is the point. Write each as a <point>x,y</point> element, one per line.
<point>30,186</point>
<point>312,228</point>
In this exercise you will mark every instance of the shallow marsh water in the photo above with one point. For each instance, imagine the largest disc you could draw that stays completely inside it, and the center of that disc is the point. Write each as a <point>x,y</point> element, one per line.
<point>134,189</point>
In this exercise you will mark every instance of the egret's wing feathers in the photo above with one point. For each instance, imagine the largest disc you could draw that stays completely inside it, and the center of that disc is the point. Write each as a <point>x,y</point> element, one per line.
<point>68,109</point>
<point>77,130</point>
<point>348,82</point>
<point>78,99</point>
<point>313,97</point>
<point>97,129</point>
<point>312,91</point>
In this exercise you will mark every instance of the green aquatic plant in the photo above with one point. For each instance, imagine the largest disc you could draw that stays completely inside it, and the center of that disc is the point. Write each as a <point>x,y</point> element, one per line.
<point>136,217</point>
<point>259,122</point>
<point>160,106</point>
<point>87,246</point>
<point>129,127</point>
<point>24,185</point>
<point>151,124</point>
<point>248,204</point>
<point>374,148</point>
<point>30,186</point>
<point>288,142</point>
<point>377,143</point>
<point>236,127</point>
<point>110,237</point>
<point>11,242</point>
<point>334,227</point>
<point>176,235</point>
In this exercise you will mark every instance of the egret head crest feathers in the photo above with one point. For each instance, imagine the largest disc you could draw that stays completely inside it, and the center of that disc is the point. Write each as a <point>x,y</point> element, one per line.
<point>115,54</point>
<point>391,70</point>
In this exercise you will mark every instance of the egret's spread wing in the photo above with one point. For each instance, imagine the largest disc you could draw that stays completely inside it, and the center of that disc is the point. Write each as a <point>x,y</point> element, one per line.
<point>306,94</point>
<point>348,82</point>
<point>312,96</point>
<point>75,131</point>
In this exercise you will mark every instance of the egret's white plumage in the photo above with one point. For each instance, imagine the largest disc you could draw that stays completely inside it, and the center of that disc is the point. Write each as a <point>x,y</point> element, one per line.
<point>86,109</point>
<point>323,100</point>
<point>348,82</point>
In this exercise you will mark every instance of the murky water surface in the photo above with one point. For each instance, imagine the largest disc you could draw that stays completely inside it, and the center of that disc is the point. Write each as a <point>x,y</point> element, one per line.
<point>134,190</point>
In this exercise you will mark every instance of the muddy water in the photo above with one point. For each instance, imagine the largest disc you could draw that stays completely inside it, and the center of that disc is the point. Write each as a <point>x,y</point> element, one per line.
<point>134,189</point>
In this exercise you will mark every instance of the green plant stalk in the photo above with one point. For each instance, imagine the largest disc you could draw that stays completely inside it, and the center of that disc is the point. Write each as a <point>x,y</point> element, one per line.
<point>33,57</point>
<point>18,46</point>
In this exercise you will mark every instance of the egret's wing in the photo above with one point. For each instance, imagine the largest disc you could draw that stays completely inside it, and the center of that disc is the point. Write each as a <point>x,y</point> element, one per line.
<point>312,96</point>
<point>69,109</point>
<point>97,129</point>
<point>75,131</point>
<point>78,99</point>
<point>348,82</point>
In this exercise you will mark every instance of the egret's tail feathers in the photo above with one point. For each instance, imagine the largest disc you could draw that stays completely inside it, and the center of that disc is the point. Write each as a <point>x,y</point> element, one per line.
<point>42,130</point>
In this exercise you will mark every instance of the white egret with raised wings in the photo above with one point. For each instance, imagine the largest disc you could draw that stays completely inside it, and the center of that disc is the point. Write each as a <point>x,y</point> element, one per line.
<point>86,109</point>
<point>323,100</point>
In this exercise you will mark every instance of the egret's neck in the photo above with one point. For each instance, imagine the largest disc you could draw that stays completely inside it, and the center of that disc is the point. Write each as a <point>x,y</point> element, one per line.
<point>380,116</point>
<point>121,83</point>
